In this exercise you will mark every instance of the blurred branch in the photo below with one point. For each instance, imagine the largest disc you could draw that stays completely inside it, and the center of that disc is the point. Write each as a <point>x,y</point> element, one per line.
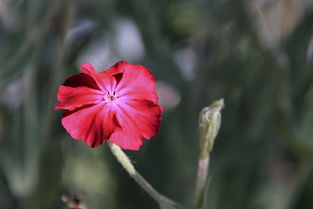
<point>14,65</point>
<point>53,147</point>
<point>296,50</point>
<point>58,68</point>
<point>32,12</point>
<point>285,109</point>
<point>301,180</point>
<point>154,40</point>
<point>284,100</point>
<point>6,187</point>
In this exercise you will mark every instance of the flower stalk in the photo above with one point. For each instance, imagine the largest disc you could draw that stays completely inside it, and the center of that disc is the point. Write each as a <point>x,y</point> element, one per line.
<point>209,125</point>
<point>123,159</point>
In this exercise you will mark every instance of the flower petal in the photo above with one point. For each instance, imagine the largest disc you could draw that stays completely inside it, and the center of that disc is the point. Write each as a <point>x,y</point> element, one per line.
<point>136,81</point>
<point>119,105</point>
<point>75,97</point>
<point>81,79</point>
<point>93,124</point>
<point>139,119</point>
<point>105,81</point>
<point>88,68</point>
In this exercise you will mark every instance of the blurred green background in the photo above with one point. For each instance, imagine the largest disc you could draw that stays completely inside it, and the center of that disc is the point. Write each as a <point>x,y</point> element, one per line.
<point>257,55</point>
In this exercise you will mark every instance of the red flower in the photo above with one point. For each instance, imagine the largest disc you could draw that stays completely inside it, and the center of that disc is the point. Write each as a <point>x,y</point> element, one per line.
<point>119,105</point>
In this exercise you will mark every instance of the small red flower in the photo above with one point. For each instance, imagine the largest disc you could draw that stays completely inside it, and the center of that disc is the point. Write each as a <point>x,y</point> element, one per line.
<point>119,105</point>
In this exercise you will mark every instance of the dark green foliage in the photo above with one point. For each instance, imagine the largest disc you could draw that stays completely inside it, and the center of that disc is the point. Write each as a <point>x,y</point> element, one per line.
<point>263,154</point>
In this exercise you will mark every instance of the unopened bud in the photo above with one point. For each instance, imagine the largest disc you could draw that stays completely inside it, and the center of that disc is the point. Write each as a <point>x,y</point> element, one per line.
<point>209,123</point>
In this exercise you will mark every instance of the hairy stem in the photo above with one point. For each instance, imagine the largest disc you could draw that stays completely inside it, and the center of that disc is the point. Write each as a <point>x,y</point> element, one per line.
<point>202,181</point>
<point>123,159</point>
<point>209,126</point>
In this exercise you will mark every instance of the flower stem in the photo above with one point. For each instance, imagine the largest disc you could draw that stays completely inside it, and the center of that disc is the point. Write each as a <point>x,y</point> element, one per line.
<point>202,181</point>
<point>209,126</point>
<point>123,159</point>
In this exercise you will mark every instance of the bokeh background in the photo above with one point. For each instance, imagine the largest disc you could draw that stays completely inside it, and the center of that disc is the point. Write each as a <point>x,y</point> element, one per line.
<point>257,55</point>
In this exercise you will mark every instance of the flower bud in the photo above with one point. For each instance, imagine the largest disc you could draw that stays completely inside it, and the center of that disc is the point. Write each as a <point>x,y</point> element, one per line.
<point>209,123</point>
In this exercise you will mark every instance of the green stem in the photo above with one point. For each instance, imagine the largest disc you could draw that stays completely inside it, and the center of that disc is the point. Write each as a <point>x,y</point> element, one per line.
<point>209,126</point>
<point>123,159</point>
<point>202,181</point>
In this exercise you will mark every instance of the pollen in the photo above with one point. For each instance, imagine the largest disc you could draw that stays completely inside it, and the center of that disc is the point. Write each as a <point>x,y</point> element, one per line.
<point>110,97</point>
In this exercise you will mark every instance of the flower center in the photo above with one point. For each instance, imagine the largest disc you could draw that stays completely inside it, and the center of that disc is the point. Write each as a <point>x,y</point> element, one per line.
<point>110,96</point>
